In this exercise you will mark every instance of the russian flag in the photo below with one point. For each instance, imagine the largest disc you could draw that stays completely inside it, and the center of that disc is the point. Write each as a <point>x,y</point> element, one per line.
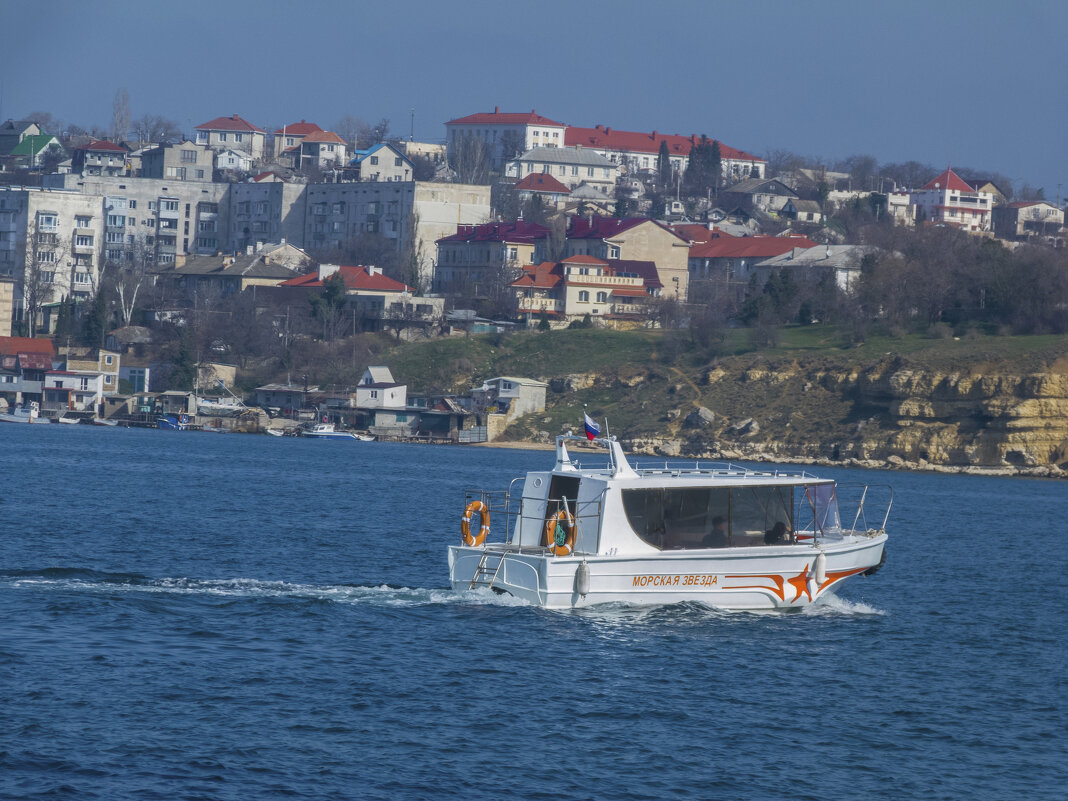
<point>592,429</point>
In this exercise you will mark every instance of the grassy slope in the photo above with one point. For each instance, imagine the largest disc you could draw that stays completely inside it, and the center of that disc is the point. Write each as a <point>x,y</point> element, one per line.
<point>672,370</point>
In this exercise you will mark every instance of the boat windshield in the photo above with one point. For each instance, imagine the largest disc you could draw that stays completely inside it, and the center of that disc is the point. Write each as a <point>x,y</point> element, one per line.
<point>698,517</point>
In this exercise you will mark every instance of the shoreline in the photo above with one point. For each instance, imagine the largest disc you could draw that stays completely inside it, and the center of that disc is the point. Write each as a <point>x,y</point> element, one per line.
<point>894,463</point>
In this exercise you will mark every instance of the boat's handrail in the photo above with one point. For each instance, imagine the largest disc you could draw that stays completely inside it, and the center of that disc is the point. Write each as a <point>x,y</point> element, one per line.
<point>725,469</point>
<point>502,502</point>
<point>864,504</point>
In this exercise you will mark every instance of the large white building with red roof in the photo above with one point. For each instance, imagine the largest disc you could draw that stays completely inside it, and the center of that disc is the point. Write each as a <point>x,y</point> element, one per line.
<point>505,134</point>
<point>949,200</point>
<point>636,151</point>
<point>233,133</point>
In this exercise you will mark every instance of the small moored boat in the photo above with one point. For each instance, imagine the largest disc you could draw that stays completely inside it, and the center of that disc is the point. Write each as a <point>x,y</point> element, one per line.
<point>728,536</point>
<point>28,413</point>
<point>329,431</point>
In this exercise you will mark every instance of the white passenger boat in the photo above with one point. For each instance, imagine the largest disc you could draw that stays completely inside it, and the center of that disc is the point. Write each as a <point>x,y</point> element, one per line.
<point>728,536</point>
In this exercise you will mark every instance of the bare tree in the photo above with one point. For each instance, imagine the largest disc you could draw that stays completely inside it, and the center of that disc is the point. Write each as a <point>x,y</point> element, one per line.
<point>131,275</point>
<point>46,122</point>
<point>45,249</point>
<point>470,160</point>
<point>156,128</point>
<point>120,115</point>
<point>349,128</point>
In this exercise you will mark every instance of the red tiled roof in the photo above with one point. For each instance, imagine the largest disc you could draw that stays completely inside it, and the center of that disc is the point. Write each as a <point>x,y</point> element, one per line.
<point>604,138</point>
<point>542,182</point>
<point>103,144</point>
<point>646,269</point>
<point>265,175</point>
<point>35,361</point>
<point>13,345</point>
<point>301,128</point>
<point>607,227</point>
<point>696,232</point>
<point>629,293</point>
<point>949,180</point>
<point>749,247</point>
<point>518,231</point>
<point>355,277</point>
<point>234,123</point>
<point>324,136</point>
<point>497,118</point>
<point>541,276</point>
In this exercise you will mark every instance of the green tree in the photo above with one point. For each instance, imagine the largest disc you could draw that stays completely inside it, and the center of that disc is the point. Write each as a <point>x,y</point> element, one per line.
<point>663,166</point>
<point>328,305</point>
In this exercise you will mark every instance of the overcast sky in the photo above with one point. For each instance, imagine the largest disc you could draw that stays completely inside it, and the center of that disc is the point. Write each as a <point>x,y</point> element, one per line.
<point>979,84</point>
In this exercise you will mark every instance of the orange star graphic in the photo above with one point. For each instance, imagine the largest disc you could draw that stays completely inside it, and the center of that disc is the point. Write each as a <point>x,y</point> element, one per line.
<point>800,584</point>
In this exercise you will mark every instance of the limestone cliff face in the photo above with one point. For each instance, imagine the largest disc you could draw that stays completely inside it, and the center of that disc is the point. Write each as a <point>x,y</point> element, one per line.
<point>888,413</point>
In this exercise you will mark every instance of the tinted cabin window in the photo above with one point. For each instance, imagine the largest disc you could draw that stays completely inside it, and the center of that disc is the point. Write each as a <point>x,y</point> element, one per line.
<point>672,519</point>
<point>561,487</point>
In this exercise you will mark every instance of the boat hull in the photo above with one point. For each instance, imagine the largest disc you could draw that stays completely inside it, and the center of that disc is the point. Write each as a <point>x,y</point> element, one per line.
<point>750,578</point>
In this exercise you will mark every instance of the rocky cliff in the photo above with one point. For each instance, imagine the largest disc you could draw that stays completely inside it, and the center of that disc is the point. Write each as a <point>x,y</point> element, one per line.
<point>886,414</point>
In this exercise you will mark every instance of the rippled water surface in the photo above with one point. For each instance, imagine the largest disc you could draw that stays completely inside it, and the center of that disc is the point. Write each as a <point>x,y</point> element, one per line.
<point>193,617</point>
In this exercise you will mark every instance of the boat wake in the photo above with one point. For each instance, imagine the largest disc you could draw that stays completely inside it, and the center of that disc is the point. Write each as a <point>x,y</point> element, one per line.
<point>74,580</point>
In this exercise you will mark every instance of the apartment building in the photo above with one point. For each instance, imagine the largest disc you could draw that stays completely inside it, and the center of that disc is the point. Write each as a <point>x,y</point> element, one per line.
<point>171,218</point>
<point>186,161</point>
<point>50,246</point>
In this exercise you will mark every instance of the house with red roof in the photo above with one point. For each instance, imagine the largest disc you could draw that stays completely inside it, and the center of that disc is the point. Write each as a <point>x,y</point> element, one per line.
<point>24,361</point>
<point>611,290</point>
<point>950,200</point>
<point>504,134</point>
<point>100,157</point>
<point>233,132</point>
<point>378,300</point>
<point>733,257</point>
<point>633,238</point>
<point>322,149</point>
<point>476,254</point>
<point>545,186</point>
<point>636,152</point>
<point>290,136</point>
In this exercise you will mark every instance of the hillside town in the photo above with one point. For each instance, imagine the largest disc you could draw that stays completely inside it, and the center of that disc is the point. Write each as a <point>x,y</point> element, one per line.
<point>141,265</point>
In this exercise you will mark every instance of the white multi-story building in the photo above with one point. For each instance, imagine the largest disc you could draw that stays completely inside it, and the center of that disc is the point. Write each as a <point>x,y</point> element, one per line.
<point>949,200</point>
<point>571,166</point>
<point>232,132</point>
<point>505,134</point>
<point>50,246</point>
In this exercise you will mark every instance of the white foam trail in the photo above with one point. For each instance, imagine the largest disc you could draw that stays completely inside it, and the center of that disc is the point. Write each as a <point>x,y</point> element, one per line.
<point>381,595</point>
<point>830,604</point>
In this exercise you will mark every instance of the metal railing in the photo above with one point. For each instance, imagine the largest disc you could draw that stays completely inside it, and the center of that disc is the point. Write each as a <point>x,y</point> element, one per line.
<point>510,506</point>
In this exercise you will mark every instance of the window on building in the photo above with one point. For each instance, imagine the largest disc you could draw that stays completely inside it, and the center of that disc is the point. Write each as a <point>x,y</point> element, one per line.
<point>168,205</point>
<point>189,156</point>
<point>602,297</point>
<point>47,222</point>
<point>239,137</point>
<point>374,159</point>
<point>584,296</point>
<point>222,137</point>
<point>81,278</point>
<point>82,222</point>
<point>83,241</point>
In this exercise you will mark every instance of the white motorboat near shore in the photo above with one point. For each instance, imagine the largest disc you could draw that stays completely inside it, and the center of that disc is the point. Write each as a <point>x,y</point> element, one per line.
<point>328,431</point>
<point>27,413</point>
<point>728,536</point>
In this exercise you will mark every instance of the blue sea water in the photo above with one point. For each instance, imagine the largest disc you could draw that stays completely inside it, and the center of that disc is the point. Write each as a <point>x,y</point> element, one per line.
<point>185,616</point>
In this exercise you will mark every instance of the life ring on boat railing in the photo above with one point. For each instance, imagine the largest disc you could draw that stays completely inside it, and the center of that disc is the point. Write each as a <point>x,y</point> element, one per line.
<point>473,508</point>
<point>565,522</point>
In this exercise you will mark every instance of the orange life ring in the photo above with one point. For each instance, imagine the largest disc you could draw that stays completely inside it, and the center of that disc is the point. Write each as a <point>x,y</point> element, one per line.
<point>479,508</point>
<point>566,521</point>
